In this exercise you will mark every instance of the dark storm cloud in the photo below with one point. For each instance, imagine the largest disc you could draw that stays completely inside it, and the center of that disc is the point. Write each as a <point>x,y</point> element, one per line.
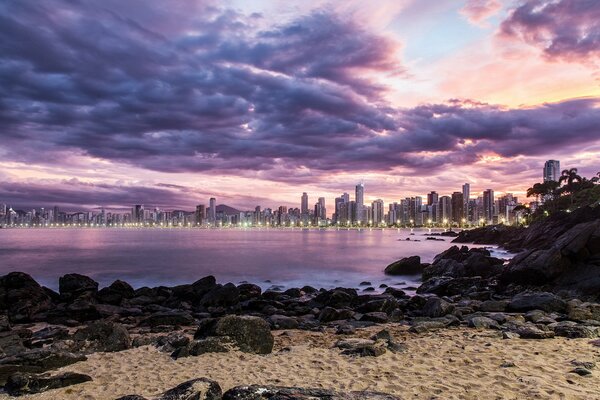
<point>563,29</point>
<point>200,88</point>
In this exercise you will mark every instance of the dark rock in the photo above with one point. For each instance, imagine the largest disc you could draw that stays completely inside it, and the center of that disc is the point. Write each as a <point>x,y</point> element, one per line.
<point>528,331</point>
<point>483,323</point>
<point>22,297</point>
<point>36,360</point>
<point>195,389</point>
<point>329,314</point>
<point>336,298</point>
<point>20,384</point>
<point>581,371</point>
<point>405,266</point>
<point>221,296</point>
<point>573,330</point>
<point>115,293</point>
<point>249,334</point>
<point>377,317</point>
<point>544,301</point>
<point>71,286</point>
<point>249,291</point>
<point>365,283</point>
<point>345,329</point>
<point>102,336</point>
<point>173,318</point>
<point>494,305</point>
<point>294,293</point>
<point>282,322</point>
<point>397,293</point>
<point>11,343</point>
<point>362,347</point>
<point>436,307</point>
<point>257,392</point>
<point>209,345</point>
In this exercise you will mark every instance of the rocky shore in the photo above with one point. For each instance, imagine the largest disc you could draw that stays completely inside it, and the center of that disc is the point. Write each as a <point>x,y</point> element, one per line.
<point>549,290</point>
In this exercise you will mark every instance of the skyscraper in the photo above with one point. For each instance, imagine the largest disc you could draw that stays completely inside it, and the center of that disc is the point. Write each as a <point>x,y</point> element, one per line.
<point>304,204</point>
<point>200,214</point>
<point>377,211</point>
<point>137,213</point>
<point>432,198</point>
<point>322,210</point>
<point>457,207</point>
<point>551,170</point>
<point>212,211</point>
<point>466,192</point>
<point>360,201</point>
<point>488,206</point>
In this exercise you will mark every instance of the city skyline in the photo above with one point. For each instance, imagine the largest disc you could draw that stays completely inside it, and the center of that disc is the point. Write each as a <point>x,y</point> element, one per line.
<point>112,104</point>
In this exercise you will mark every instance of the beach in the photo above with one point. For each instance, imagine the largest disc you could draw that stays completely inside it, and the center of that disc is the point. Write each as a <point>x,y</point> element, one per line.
<point>444,364</point>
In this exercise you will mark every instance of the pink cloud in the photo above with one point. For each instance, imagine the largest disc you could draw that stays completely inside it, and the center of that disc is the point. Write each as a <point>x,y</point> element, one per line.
<point>477,11</point>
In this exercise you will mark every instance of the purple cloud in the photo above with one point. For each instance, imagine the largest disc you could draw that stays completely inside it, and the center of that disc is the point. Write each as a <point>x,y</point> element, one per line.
<point>563,29</point>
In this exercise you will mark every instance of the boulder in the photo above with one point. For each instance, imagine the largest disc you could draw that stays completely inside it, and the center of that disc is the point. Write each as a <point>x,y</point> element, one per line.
<point>36,360</point>
<point>436,307</point>
<point>221,296</point>
<point>249,334</point>
<point>362,347</point>
<point>22,297</point>
<point>249,291</point>
<point>329,314</point>
<point>102,336</point>
<point>405,266</point>
<point>282,322</point>
<point>71,286</point>
<point>573,330</point>
<point>544,301</point>
<point>20,384</point>
<point>195,389</point>
<point>116,293</point>
<point>257,392</point>
<point>483,323</point>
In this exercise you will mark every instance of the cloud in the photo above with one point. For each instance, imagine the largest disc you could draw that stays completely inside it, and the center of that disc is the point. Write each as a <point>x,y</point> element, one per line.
<point>215,92</point>
<point>477,11</point>
<point>563,29</point>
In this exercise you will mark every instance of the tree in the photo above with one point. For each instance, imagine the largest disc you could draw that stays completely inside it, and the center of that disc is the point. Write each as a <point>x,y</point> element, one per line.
<point>596,179</point>
<point>570,178</point>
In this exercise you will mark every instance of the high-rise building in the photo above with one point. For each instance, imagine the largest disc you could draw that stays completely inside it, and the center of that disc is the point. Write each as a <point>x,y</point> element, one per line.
<point>322,210</point>
<point>488,206</point>
<point>377,212</point>
<point>432,198</point>
<point>445,209</point>
<point>360,202</point>
<point>212,211</point>
<point>137,213</point>
<point>551,170</point>
<point>457,207</point>
<point>200,216</point>
<point>466,192</point>
<point>304,204</point>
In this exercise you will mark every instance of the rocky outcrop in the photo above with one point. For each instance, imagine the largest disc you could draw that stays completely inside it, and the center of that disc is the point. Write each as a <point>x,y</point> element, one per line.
<point>258,392</point>
<point>36,361</point>
<point>20,384</point>
<point>406,266</point>
<point>22,297</point>
<point>102,336</point>
<point>195,389</point>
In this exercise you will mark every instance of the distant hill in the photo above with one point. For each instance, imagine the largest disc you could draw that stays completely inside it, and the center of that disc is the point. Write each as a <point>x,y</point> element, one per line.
<point>225,209</point>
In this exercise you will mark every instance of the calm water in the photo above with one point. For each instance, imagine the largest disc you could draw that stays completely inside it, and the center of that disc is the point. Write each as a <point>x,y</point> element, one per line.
<point>151,257</point>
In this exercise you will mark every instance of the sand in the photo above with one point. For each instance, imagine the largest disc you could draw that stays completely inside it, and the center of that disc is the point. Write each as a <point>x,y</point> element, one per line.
<point>445,364</point>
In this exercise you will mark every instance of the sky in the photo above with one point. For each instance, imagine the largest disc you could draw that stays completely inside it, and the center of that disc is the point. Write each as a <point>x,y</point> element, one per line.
<point>114,103</point>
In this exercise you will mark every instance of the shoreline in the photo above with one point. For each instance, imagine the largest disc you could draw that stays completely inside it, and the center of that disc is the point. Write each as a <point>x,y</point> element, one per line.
<point>471,314</point>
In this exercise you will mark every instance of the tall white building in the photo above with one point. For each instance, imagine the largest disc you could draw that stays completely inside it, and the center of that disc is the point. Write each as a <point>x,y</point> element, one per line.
<point>551,170</point>
<point>466,191</point>
<point>360,202</point>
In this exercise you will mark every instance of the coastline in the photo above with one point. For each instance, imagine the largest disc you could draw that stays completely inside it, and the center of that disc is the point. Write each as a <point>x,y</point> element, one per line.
<point>472,314</point>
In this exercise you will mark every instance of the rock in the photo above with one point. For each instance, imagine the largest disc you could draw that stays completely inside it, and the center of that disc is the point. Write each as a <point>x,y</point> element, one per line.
<point>171,342</point>
<point>22,297</point>
<point>585,364</point>
<point>115,293</point>
<point>36,360</point>
<point>581,371</point>
<point>405,266</point>
<point>195,389</point>
<point>573,330</point>
<point>494,305</point>
<point>329,314</point>
<point>11,343</point>
<point>221,296</point>
<point>249,334</point>
<point>71,286</point>
<point>102,336</point>
<point>209,345</point>
<point>528,331</point>
<point>4,323</point>
<point>20,384</point>
<point>173,318</point>
<point>282,322</point>
<point>436,307</point>
<point>362,347</point>
<point>336,298</point>
<point>345,330</point>
<point>507,364</point>
<point>249,291</point>
<point>256,392</point>
<point>483,323</point>
<point>510,335</point>
<point>377,317</point>
<point>544,301</point>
